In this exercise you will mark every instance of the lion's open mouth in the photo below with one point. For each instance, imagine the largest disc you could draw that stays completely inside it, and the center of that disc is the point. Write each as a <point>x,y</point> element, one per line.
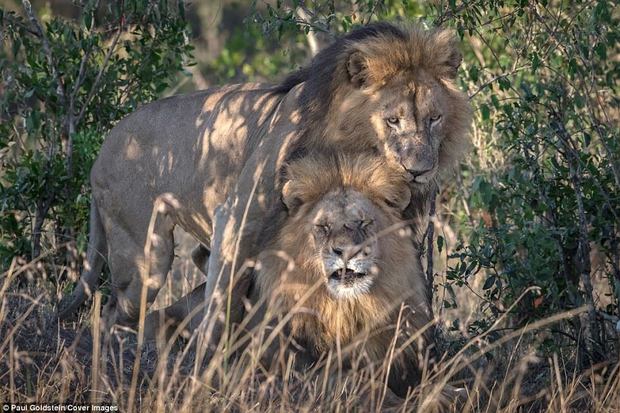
<point>346,275</point>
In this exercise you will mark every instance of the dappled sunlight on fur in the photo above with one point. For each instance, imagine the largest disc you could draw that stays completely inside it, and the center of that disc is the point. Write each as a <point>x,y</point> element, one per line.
<point>220,153</point>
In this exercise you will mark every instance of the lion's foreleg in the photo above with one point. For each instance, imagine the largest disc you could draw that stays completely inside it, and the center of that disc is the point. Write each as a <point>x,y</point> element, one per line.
<point>226,284</point>
<point>132,270</point>
<point>185,315</point>
<point>237,224</point>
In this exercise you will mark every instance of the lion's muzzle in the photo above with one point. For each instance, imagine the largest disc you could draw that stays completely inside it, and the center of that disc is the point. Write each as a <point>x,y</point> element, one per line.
<point>348,278</point>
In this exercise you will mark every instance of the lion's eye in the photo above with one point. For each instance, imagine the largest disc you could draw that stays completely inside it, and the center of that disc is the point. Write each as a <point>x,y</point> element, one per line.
<point>322,228</point>
<point>434,119</point>
<point>392,121</point>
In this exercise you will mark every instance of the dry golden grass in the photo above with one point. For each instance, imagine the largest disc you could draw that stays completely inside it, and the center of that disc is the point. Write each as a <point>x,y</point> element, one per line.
<point>44,361</point>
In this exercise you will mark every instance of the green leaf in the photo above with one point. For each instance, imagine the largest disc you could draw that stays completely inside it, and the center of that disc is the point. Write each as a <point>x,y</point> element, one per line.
<point>535,60</point>
<point>473,73</point>
<point>601,50</point>
<point>504,83</point>
<point>485,111</point>
<point>489,283</point>
<point>16,46</point>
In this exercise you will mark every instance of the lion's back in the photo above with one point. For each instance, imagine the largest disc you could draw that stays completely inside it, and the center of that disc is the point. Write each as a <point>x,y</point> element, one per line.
<point>169,144</point>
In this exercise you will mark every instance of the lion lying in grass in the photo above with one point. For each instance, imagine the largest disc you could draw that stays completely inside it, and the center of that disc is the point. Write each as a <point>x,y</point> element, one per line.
<point>351,264</point>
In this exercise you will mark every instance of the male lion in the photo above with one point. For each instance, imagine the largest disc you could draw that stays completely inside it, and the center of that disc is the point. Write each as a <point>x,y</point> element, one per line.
<point>342,265</point>
<point>339,268</point>
<point>212,160</point>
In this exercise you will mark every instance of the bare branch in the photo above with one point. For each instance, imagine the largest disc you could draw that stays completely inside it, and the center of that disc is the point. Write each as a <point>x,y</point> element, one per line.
<point>448,13</point>
<point>583,246</point>
<point>493,80</point>
<point>95,85</point>
<point>430,233</point>
<point>199,80</point>
<point>79,79</point>
<point>372,12</point>
<point>313,42</point>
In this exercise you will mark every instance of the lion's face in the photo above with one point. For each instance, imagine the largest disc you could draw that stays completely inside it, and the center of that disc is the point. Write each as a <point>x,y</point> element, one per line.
<point>394,95</point>
<point>343,228</point>
<point>407,119</point>
<point>338,209</point>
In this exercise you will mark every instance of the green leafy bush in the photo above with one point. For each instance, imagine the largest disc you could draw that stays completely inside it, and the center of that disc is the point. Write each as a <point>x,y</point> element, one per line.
<point>552,197</point>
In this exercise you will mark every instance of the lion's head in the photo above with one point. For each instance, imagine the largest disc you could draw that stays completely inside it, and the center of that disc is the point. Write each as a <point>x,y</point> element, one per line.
<point>389,90</point>
<point>344,219</point>
<point>345,238</point>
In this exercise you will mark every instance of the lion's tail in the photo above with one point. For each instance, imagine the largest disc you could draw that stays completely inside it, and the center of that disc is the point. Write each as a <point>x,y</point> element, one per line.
<point>89,280</point>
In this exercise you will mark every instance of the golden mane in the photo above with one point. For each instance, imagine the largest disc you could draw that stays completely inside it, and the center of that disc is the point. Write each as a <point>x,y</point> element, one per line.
<point>312,177</point>
<point>434,51</point>
<point>323,319</point>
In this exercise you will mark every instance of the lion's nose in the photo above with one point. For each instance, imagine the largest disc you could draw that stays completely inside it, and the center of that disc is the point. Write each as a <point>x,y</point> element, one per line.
<point>418,172</point>
<point>418,162</point>
<point>421,176</point>
<point>417,166</point>
<point>350,252</point>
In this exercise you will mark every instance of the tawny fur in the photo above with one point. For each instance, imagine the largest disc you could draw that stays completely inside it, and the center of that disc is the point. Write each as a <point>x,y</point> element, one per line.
<point>407,55</point>
<point>291,266</point>
<point>338,111</point>
<point>323,321</point>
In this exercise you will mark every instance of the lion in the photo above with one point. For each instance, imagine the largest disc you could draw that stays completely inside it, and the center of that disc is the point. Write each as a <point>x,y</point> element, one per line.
<point>212,161</point>
<point>344,240</point>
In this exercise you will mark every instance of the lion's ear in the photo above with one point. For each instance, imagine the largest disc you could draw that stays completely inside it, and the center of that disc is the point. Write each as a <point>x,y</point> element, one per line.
<point>290,197</point>
<point>401,199</point>
<point>357,69</point>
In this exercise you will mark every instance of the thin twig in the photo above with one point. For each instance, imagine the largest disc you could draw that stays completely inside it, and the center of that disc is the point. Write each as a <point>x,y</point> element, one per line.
<point>583,245</point>
<point>313,42</point>
<point>430,247</point>
<point>448,14</point>
<point>80,78</point>
<point>487,83</point>
<point>95,85</point>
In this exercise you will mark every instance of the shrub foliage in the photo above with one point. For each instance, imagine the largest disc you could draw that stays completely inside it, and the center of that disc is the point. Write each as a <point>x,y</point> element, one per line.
<point>64,84</point>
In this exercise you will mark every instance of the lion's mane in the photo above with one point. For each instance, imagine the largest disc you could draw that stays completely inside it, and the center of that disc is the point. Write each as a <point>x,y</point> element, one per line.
<point>325,319</point>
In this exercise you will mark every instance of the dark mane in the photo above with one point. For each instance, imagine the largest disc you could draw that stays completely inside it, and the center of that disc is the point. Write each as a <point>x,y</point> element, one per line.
<point>324,74</point>
<point>365,60</point>
<point>321,69</point>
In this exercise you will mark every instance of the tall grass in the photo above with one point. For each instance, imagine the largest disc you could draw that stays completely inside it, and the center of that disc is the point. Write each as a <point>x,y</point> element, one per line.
<point>44,361</point>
